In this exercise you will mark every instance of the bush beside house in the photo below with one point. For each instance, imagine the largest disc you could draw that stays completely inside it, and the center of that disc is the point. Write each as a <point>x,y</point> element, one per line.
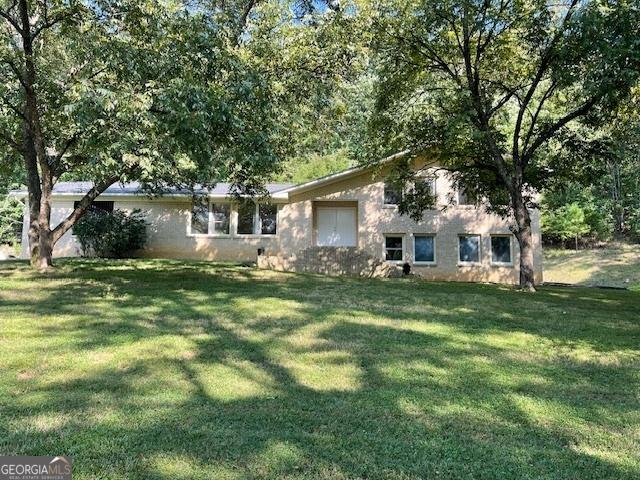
<point>114,234</point>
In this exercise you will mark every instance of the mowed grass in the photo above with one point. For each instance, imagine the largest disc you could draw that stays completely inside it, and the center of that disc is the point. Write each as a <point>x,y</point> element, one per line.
<point>609,267</point>
<point>166,369</point>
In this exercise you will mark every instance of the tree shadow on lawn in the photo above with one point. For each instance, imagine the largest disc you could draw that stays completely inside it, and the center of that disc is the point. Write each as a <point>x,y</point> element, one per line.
<point>209,377</point>
<point>605,320</point>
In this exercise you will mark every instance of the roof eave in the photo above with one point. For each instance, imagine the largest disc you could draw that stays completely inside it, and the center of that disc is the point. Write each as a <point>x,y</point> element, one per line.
<point>18,194</point>
<point>281,195</point>
<point>76,195</point>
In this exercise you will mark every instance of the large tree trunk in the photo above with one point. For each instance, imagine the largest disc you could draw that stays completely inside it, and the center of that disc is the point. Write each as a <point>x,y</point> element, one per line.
<point>525,241</point>
<point>35,196</point>
<point>35,193</point>
<point>45,244</point>
<point>33,233</point>
<point>34,152</point>
<point>45,251</point>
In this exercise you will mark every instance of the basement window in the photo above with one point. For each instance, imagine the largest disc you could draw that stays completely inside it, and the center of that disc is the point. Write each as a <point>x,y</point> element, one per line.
<point>501,249</point>
<point>424,249</point>
<point>394,248</point>
<point>469,248</point>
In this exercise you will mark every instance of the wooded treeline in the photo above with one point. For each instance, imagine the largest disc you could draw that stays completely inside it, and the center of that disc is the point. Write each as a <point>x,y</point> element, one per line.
<point>599,199</point>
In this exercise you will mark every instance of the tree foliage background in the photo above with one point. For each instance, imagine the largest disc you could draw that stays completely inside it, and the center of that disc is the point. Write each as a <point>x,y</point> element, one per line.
<point>601,160</point>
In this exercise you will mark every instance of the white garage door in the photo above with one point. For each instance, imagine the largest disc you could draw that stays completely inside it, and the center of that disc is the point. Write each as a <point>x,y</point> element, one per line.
<point>336,226</point>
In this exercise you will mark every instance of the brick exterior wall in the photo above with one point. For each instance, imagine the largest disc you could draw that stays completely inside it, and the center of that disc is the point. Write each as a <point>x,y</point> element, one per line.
<point>342,261</point>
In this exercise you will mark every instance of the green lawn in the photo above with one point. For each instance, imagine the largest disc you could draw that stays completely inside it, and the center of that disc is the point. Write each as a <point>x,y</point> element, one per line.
<point>611,267</point>
<point>161,369</point>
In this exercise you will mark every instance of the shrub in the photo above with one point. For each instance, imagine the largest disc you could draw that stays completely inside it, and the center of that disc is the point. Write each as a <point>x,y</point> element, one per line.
<point>11,211</point>
<point>111,234</point>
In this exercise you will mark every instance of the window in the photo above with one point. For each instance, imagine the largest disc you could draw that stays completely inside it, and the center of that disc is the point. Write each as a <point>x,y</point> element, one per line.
<point>200,216</point>
<point>392,195</point>
<point>97,207</point>
<point>394,248</point>
<point>268,219</point>
<point>469,248</point>
<point>426,185</point>
<point>465,198</point>
<point>501,249</point>
<point>424,249</point>
<point>221,218</point>
<point>257,219</point>
<point>246,218</point>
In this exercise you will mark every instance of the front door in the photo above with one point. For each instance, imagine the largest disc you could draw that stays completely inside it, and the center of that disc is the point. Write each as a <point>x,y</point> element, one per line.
<point>336,226</point>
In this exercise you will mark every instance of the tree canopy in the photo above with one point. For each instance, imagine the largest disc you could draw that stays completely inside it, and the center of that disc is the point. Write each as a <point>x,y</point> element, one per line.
<point>164,92</point>
<point>488,86</point>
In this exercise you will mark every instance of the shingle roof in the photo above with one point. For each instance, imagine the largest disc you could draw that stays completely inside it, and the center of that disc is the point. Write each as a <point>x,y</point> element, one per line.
<point>277,190</point>
<point>134,188</point>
